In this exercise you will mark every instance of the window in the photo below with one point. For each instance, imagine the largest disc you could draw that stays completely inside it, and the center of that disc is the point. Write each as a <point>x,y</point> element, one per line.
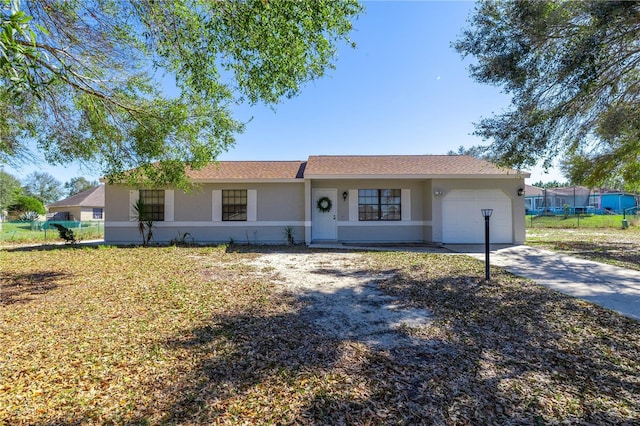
<point>561,201</point>
<point>379,204</point>
<point>97,213</point>
<point>153,200</point>
<point>234,204</point>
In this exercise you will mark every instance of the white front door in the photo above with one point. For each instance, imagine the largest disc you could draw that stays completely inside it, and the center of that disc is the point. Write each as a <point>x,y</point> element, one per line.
<point>323,226</point>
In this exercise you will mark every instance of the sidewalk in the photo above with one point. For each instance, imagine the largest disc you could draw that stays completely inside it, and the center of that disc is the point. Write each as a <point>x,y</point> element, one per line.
<point>606,285</point>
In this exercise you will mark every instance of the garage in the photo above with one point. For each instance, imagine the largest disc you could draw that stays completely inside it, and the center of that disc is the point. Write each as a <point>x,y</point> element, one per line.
<point>463,222</point>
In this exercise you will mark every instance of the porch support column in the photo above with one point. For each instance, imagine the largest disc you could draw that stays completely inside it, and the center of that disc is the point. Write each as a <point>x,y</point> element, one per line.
<point>307,211</point>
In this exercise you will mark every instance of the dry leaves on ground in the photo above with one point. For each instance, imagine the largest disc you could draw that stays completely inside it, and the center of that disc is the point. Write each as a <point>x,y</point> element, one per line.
<point>199,335</point>
<point>618,247</point>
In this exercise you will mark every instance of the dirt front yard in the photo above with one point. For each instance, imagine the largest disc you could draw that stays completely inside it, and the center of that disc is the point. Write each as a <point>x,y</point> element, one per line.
<point>251,335</point>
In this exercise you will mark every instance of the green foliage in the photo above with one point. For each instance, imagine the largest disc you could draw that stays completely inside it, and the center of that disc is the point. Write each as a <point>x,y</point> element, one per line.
<point>80,184</point>
<point>29,216</point>
<point>145,224</point>
<point>43,186</point>
<point>552,184</point>
<point>183,239</point>
<point>289,233</point>
<point>478,151</point>
<point>26,203</point>
<point>79,76</point>
<point>572,70</point>
<point>574,221</point>
<point>10,188</point>
<point>40,231</point>
<point>65,233</point>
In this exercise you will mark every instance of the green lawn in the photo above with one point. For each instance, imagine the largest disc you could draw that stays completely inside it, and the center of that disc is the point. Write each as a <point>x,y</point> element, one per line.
<point>580,221</point>
<point>26,232</point>
<point>176,335</point>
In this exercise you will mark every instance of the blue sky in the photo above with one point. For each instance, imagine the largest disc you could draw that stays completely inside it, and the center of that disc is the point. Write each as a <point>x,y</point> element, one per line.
<point>403,90</point>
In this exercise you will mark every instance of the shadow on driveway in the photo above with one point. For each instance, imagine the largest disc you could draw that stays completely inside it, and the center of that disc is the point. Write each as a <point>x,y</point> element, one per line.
<point>606,285</point>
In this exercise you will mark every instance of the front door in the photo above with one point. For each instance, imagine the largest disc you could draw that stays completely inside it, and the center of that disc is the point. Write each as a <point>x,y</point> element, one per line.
<point>323,226</point>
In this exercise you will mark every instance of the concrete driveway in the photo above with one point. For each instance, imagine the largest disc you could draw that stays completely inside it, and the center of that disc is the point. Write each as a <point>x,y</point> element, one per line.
<point>609,286</point>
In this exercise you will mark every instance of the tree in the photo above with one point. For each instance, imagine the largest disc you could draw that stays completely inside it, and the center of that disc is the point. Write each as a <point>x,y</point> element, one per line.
<point>79,184</point>
<point>474,151</point>
<point>552,184</point>
<point>43,186</point>
<point>79,76</point>
<point>26,203</point>
<point>145,223</point>
<point>572,69</point>
<point>10,188</point>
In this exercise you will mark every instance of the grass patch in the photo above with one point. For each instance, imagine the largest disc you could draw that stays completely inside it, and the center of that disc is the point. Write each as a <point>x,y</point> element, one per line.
<point>13,233</point>
<point>619,247</point>
<point>580,221</point>
<point>179,335</point>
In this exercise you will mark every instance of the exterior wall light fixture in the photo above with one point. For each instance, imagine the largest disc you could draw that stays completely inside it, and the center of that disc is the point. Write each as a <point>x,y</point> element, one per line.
<point>520,192</point>
<point>345,194</point>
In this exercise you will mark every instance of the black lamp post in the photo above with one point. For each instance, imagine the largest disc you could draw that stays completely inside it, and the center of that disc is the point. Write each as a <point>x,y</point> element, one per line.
<point>486,213</point>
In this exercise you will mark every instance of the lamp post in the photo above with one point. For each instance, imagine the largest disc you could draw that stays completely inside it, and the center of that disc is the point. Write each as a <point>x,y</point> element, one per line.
<point>486,213</point>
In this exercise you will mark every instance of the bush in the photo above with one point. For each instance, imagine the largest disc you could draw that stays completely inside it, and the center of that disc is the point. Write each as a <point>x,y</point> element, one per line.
<point>65,233</point>
<point>24,203</point>
<point>29,216</point>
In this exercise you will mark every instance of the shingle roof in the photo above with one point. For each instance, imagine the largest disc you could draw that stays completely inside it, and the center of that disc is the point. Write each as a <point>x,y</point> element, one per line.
<point>93,197</point>
<point>353,166</point>
<point>532,190</point>
<point>403,165</point>
<point>247,170</point>
<point>562,190</point>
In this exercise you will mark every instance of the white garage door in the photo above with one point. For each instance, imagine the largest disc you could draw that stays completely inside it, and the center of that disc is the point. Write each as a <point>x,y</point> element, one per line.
<point>462,220</point>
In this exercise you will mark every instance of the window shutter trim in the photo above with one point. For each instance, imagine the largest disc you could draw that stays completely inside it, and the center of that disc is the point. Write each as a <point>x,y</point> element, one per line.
<point>216,205</point>
<point>252,205</point>
<point>353,205</point>
<point>405,204</point>
<point>134,196</point>
<point>169,205</point>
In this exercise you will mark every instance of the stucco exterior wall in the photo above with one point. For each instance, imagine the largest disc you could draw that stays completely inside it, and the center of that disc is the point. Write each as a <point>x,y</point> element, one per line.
<point>73,212</point>
<point>277,205</point>
<point>280,202</point>
<point>193,206</point>
<point>410,229</point>
<point>415,186</point>
<point>381,232</point>
<point>76,213</point>
<point>163,232</point>
<point>87,213</point>
<point>427,208</point>
<point>116,203</point>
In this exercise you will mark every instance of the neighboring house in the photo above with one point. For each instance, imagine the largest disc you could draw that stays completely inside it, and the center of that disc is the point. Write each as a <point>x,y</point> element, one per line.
<point>553,200</point>
<point>578,199</point>
<point>613,201</point>
<point>349,199</point>
<point>86,205</point>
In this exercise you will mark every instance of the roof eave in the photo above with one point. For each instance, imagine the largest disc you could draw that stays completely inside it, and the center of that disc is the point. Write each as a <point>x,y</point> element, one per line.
<point>426,176</point>
<point>249,180</point>
<point>75,205</point>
